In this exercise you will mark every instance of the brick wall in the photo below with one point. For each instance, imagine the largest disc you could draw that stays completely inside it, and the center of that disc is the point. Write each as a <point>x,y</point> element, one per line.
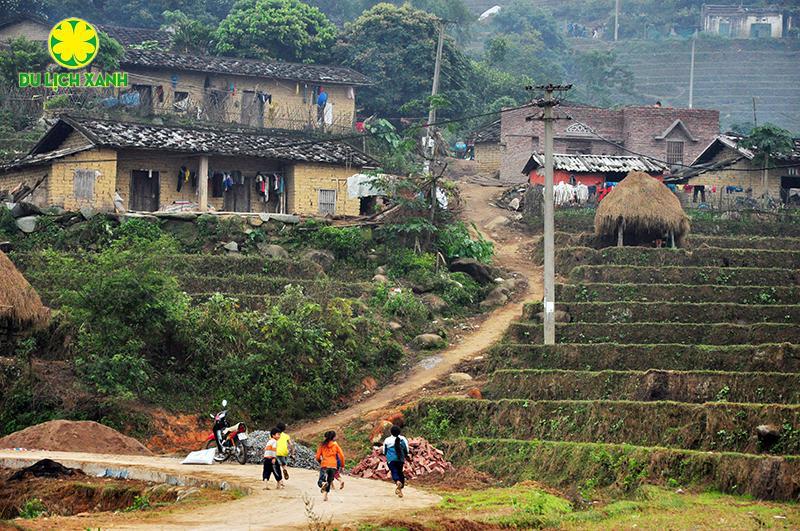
<point>740,174</point>
<point>61,181</point>
<point>488,156</point>
<point>306,180</point>
<point>28,175</point>
<point>290,111</point>
<point>632,127</point>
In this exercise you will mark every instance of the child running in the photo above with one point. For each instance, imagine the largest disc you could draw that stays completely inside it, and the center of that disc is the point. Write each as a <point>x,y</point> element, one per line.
<point>330,457</point>
<point>395,448</point>
<point>285,449</point>
<point>271,465</point>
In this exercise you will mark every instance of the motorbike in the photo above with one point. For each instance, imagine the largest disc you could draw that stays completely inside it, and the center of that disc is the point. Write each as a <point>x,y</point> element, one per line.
<point>231,443</point>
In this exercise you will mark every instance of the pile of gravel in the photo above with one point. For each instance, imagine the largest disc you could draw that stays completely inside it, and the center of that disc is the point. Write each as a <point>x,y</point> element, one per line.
<point>257,440</point>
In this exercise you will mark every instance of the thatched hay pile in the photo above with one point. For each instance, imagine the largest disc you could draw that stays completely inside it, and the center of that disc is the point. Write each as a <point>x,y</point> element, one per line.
<point>20,306</point>
<point>645,209</point>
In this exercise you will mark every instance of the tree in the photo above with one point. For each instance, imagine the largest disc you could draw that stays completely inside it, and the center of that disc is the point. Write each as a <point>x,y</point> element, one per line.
<point>597,77</point>
<point>525,18</point>
<point>22,55</point>
<point>769,142</point>
<point>110,54</point>
<point>287,30</point>
<point>396,47</point>
<point>188,35</point>
<point>137,13</point>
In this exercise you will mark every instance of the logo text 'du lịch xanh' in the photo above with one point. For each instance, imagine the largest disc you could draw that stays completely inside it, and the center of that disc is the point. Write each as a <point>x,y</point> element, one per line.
<point>73,44</point>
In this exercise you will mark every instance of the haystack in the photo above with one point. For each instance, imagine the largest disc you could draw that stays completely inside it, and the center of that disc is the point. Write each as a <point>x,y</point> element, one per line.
<point>21,309</point>
<point>641,209</point>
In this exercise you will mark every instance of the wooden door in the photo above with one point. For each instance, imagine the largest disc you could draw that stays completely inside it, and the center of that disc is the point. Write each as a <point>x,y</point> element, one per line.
<point>144,191</point>
<point>237,199</point>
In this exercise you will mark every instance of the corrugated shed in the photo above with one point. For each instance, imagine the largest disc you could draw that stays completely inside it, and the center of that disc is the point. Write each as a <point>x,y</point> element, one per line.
<point>579,163</point>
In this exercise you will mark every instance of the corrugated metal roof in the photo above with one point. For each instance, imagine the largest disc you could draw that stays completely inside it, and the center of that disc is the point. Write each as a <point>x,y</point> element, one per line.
<point>595,163</point>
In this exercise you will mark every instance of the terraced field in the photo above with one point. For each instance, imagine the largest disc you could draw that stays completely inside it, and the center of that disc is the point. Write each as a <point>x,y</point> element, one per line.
<point>674,367</point>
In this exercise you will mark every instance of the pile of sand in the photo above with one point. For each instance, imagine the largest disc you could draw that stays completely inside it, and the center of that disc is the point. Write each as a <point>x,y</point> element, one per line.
<point>74,436</point>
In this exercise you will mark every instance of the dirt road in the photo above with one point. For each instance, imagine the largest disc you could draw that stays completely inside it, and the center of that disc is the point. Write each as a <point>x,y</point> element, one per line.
<point>510,255</point>
<point>361,500</point>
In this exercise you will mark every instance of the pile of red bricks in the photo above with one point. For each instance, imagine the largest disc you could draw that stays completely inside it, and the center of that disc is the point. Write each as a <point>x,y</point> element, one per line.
<point>423,459</point>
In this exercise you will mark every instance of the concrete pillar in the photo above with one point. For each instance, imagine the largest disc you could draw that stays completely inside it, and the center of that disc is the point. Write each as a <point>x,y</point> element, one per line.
<point>202,184</point>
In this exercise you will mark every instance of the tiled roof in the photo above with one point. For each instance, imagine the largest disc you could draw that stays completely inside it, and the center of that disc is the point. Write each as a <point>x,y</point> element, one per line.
<point>244,67</point>
<point>268,144</point>
<point>489,132</point>
<point>128,36</point>
<point>595,163</point>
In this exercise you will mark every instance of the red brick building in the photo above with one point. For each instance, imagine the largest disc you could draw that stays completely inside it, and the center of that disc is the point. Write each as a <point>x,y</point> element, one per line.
<point>674,136</point>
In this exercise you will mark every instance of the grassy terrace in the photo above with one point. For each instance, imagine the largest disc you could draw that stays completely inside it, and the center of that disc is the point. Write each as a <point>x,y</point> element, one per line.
<point>269,285</point>
<point>569,257</point>
<point>697,293</point>
<point>711,426</point>
<point>676,386</point>
<point>622,467</point>
<point>658,332</point>
<point>728,276</point>
<point>675,312</point>
<point>778,357</point>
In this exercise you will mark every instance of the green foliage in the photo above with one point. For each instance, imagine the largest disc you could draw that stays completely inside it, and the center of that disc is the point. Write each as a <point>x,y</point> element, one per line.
<point>454,241</point>
<point>345,242</point>
<point>462,290</point>
<point>435,425</point>
<point>22,55</point>
<point>32,508</point>
<point>59,101</point>
<point>526,17</point>
<point>287,30</point>
<point>110,54</point>
<point>396,48</point>
<point>598,77</point>
<point>140,503</point>
<point>769,141</point>
<point>135,13</point>
<point>188,35</point>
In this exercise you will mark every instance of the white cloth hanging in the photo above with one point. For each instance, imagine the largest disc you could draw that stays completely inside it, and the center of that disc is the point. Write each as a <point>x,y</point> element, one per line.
<point>582,193</point>
<point>329,113</point>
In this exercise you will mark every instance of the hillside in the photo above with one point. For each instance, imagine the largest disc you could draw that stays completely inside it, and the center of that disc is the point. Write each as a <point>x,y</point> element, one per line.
<point>728,75</point>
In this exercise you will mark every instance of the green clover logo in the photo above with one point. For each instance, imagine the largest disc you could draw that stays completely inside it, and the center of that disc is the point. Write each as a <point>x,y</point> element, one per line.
<point>73,43</point>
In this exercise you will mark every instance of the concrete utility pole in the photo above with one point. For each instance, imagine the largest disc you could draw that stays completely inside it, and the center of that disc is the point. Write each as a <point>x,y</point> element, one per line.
<point>616,20</point>
<point>549,211</point>
<point>430,144</point>
<point>691,72</point>
<point>202,184</point>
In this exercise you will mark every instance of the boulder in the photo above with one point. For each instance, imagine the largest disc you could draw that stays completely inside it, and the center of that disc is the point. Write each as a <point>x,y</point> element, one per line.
<point>394,326</point>
<point>434,302</point>
<point>272,250</point>
<point>560,315</point>
<point>459,377</point>
<point>231,247</point>
<point>514,204</point>
<point>23,209</point>
<point>88,212</point>
<point>289,219</point>
<point>255,221</point>
<point>381,279</point>
<point>324,259</point>
<point>497,297</point>
<point>478,271</point>
<point>426,341</point>
<point>380,270</point>
<point>497,222</point>
<point>768,435</point>
<point>27,224</point>
<point>55,210</point>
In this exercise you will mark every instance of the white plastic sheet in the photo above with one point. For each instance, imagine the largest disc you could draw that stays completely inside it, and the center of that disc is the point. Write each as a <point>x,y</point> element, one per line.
<point>200,457</point>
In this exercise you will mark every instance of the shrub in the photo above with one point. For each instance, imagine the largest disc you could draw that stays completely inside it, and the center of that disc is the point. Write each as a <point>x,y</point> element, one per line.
<point>346,242</point>
<point>455,242</point>
<point>461,290</point>
<point>32,508</point>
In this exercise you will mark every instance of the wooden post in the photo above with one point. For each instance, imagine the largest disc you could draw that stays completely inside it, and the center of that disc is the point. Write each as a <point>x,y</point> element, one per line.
<point>202,183</point>
<point>620,230</point>
<point>672,239</point>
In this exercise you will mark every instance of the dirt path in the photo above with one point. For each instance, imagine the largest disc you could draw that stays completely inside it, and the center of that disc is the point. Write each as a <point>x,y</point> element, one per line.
<point>361,500</point>
<point>509,254</point>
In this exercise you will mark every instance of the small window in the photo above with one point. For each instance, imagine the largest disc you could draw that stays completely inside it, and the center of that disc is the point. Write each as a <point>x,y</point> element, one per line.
<point>83,184</point>
<point>794,170</point>
<point>674,152</point>
<point>327,202</point>
<point>180,100</point>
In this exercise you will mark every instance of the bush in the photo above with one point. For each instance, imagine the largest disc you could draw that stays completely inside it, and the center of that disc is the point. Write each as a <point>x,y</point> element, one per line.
<point>32,508</point>
<point>461,290</point>
<point>347,242</point>
<point>455,242</point>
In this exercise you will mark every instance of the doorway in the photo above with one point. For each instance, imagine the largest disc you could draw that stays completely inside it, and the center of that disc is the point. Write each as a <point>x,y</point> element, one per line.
<point>237,199</point>
<point>144,190</point>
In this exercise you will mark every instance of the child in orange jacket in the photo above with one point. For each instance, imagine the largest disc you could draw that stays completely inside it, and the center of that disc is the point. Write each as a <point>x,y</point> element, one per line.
<point>330,457</point>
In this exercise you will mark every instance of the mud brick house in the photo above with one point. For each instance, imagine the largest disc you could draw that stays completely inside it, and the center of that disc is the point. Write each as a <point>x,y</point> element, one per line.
<point>674,136</point>
<point>37,29</point>
<point>487,147</point>
<point>87,161</point>
<point>591,170</point>
<point>725,170</point>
